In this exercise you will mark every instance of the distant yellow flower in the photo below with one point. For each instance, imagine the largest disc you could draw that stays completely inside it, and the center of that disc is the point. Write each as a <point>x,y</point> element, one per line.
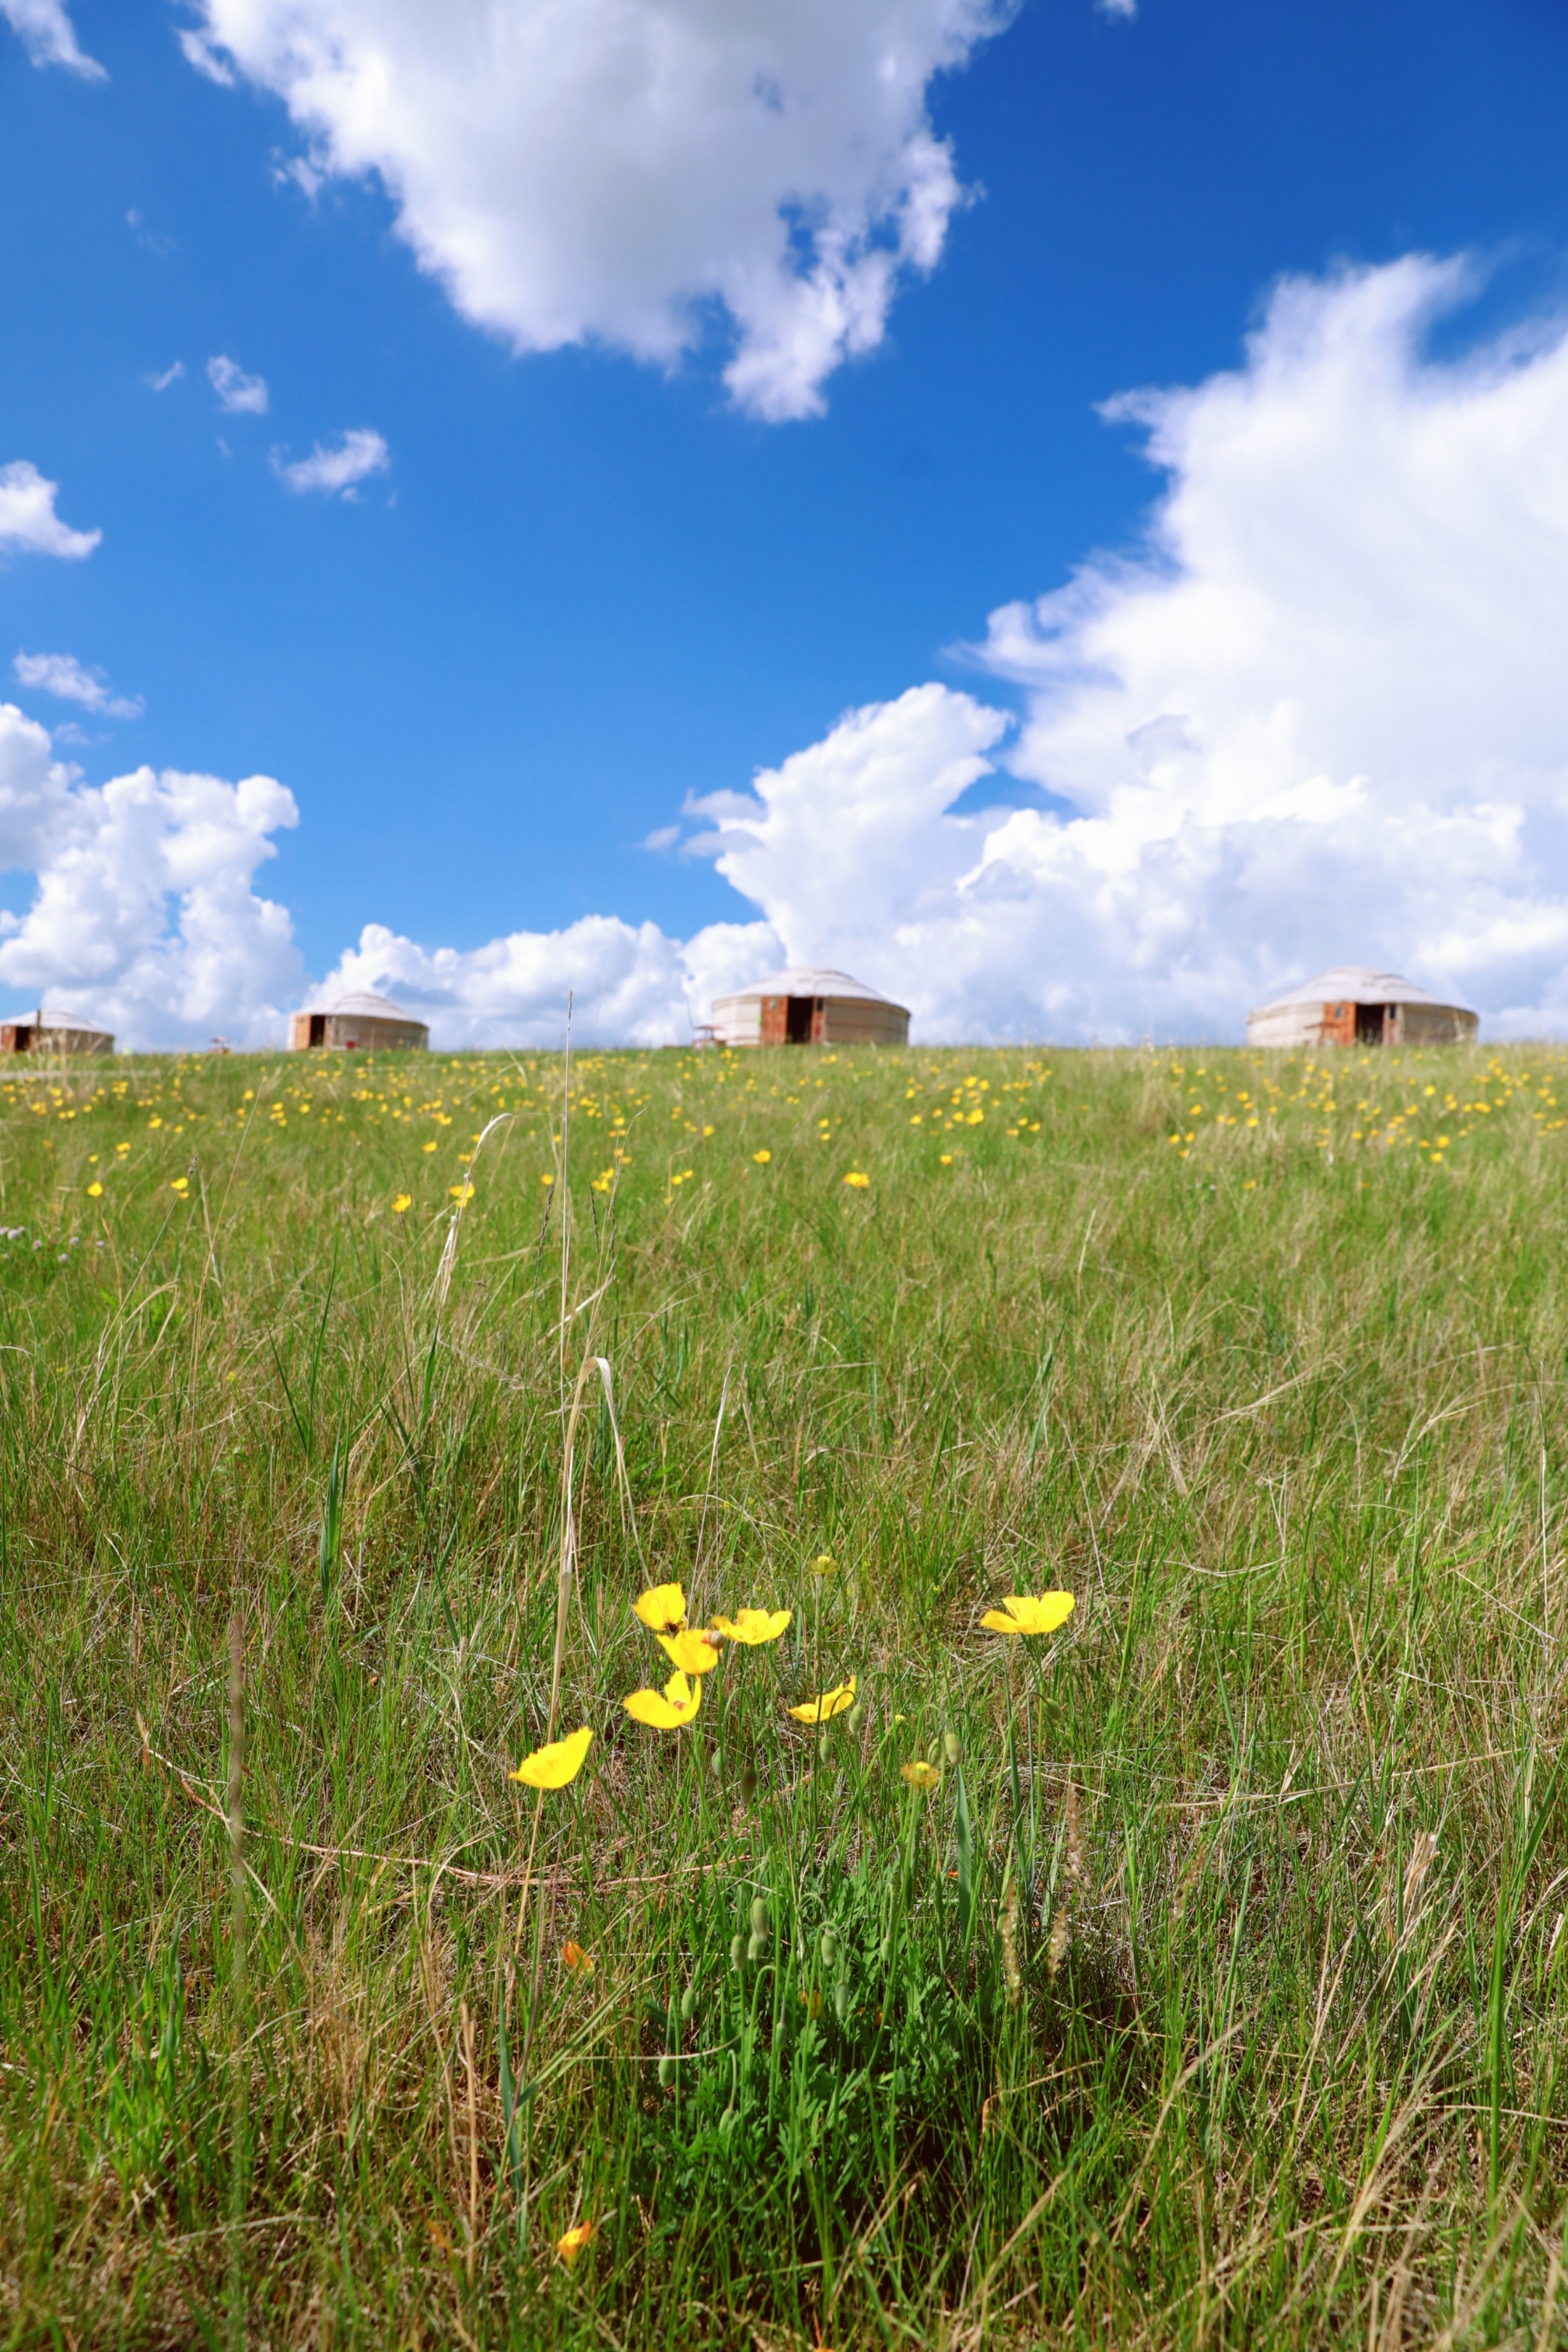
<point>831,1703</point>
<point>660,1607</point>
<point>690,1650</point>
<point>1025,1612</point>
<point>461,1193</point>
<point>678,1704</point>
<point>761,1158</point>
<point>574,1957</point>
<point>947,1160</point>
<point>545,1179</point>
<point>920,1776</point>
<point>427,1147</point>
<point>855,1178</point>
<point>554,1766</point>
<point>122,1148</point>
<point>402,1201</point>
<point>754,1625</point>
<point>180,1184</point>
<point>825,1564</point>
<point>94,1191</point>
<point>572,2244</point>
<point>707,1132</point>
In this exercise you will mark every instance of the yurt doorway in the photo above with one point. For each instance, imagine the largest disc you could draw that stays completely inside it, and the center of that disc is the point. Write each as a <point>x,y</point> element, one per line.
<point>1371,1024</point>
<point>797,1020</point>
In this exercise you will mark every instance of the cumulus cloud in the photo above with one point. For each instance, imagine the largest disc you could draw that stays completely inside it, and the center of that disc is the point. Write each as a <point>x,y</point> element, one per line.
<point>335,472</point>
<point>143,913</point>
<point>631,983</point>
<point>49,37</point>
<point>619,170</point>
<point>28,523</point>
<point>238,394</point>
<point>64,676</point>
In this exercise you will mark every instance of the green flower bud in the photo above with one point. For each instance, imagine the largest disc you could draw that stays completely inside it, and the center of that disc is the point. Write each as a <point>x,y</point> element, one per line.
<point>729,2119</point>
<point>665,2072</point>
<point>856,1716</point>
<point>953,1746</point>
<point>885,1951</point>
<point>841,1999</point>
<point>759,1915</point>
<point>829,1948</point>
<point>737,1950</point>
<point>748,1785</point>
<point>688,2004</point>
<point>824,1746</point>
<point>757,1949</point>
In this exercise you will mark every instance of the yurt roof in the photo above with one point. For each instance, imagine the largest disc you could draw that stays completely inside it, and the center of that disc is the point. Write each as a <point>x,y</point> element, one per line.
<point>369,1007</point>
<point>806,979</point>
<point>50,1016</point>
<point>1355,983</point>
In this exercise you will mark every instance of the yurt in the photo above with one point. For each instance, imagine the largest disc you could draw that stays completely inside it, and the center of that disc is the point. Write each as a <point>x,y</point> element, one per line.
<point>1354,1006</point>
<point>806,1007</point>
<point>358,1023</point>
<point>53,1032</point>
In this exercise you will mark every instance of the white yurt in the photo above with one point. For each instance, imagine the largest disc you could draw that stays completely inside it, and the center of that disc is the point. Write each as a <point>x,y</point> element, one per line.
<point>1352,1005</point>
<point>358,1022</point>
<point>804,1007</point>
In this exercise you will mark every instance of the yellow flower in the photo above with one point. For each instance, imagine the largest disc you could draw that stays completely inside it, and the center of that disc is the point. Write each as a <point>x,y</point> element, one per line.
<point>689,1650</point>
<point>403,1201</point>
<point>754,1625</point>
<point>427,1147</point>
<point>857,1180</point>
<point>122,1148</point>
<point>545,1179</point>
<point>947,1160</point>
<point>660,1607</point>
<point>831,1703</point>
<point>825,1564</point>
<point>1025,1612</point>
<point>761,1158</point>
<point>554,1766</point>
<point>574,1957</point>
<point>572,2244</point>
<point>920,1776</point>
<point>181,1184</point>
<point>461,1193</point>
<point>94,1191</point>
<point>678,1704</point>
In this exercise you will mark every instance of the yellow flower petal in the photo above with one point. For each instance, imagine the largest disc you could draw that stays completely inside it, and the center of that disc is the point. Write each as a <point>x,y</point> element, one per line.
<point>754,1625</point>
<point>95,1190</point>
<point>666,1711</point>
<point>825,1564</point>
<point>761,1158</point>
<point>831,1703</point>
<point>1030,1612</point>
<point>857,1179</point>
<point>572,2244</point>
<point>554,1766</point>
<point>920,1776</point>
<point>403,1201</point>
<point>574,1957</point>
<point>660,1607</point>
<point>691,1650</point>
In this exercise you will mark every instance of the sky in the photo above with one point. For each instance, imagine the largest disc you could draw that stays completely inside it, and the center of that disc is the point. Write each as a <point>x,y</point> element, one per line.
<point>1060,510</point>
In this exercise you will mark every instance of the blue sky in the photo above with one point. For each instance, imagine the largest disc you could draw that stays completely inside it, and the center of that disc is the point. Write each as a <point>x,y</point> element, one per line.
<point>585,590</point>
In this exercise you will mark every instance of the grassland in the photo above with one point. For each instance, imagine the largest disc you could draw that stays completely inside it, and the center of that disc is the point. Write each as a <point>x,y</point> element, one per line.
<point>1213,1996</point>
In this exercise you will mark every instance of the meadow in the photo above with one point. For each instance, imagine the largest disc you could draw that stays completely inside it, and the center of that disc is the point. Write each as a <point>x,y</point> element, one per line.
<point>1190,1974</point>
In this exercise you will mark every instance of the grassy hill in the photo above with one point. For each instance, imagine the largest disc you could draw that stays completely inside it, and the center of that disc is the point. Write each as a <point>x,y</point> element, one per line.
<point>1208,1992</point>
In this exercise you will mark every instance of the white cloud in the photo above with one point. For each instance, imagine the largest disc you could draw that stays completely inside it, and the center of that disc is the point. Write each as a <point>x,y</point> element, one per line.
<point>170,375</point>
<point>238,394</point>
<point>632,984</point>
<point>143,913</point>
<point>618,171</point>
<point>64,676</point>
<point>48,37</point>
<point>357,456</point>
<point>28,522</point>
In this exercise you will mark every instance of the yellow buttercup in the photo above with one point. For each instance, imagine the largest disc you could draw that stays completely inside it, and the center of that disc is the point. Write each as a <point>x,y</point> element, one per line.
<point>1030,1612</point>
<point>554,1766</point>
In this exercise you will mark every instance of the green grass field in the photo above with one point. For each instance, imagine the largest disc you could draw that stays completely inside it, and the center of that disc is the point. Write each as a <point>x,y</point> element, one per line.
<point>1212,1996</point>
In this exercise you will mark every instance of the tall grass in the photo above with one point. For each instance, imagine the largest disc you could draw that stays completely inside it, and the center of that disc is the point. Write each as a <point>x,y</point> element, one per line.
<point>1214,1994</point>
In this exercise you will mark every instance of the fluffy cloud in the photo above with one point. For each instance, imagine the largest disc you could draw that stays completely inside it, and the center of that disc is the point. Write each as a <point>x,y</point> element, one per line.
<point>48,37</point>
<point>64,676</point>
<point>238,394</point>
<point>613,170</point>
<point>335,472</point>
<point>28,522</point>
<point>144,914</point>
<point>630,984</point>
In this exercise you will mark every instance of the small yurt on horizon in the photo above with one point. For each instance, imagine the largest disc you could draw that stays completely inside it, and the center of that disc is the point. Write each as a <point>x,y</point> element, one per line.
<point>1352,1005</point>
<point>49,1031</point>
<point>359,1022</point>
<point>807,1006</point>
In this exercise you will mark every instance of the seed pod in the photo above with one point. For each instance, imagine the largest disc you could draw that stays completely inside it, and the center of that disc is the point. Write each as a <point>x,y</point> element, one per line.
<point>824,1746</point>
<point>688,2004</point>
<point>759,1915</point>
<point>716,1765</point>
<point>841,1999</point>
<point>737,1950</point>
<point>665,2072</point>
<point>885,1951</point>
<point>952,1746</point>
<point>729,2119</point>
<point>757,1949</point>
<point>856,1716</point>
<point>748,1785</point>
<point>829,1948</point>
